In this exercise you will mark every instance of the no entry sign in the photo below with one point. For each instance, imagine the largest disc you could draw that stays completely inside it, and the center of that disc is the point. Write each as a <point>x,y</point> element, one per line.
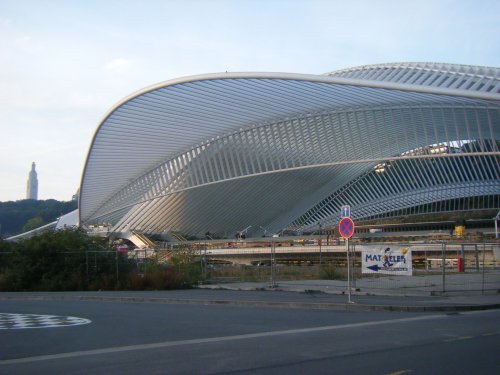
<point>346,227</point>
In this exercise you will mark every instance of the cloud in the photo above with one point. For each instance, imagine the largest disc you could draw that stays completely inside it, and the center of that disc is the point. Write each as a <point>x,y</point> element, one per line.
<point>119,65</point>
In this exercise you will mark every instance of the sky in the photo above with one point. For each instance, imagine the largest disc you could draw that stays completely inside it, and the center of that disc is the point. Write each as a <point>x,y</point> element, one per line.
<point>64,64</point>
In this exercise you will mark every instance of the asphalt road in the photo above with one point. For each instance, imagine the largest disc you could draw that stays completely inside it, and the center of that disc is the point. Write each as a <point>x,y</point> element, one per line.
<point>143,338</point>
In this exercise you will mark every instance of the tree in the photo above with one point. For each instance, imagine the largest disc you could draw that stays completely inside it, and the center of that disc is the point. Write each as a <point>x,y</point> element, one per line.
<point>33,223</point>
<point>62,260</point>
<point>186,261</point>
<point>14,215</point>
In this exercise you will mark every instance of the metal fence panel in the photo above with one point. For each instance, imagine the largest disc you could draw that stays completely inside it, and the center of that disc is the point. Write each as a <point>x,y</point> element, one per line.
<point>436,268</point>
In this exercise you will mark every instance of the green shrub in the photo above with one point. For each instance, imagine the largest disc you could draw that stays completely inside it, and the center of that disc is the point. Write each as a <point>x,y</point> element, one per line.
<point>72,260</point>
<point>329,272</point>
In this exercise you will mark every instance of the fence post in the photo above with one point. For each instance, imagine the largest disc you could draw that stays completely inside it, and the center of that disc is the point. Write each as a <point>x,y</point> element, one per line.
<point>87,264</point>
<point>273,265</point>
<point>117,276</point>
<point>462,246</point>
<point>204,269</point>
<point>477,258</point>
<point>484,252</point>
<point>443,251</point>
<point>353,265</point>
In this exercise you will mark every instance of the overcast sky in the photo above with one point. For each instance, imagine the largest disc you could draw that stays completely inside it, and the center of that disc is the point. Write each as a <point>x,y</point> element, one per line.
<point>64,64</point>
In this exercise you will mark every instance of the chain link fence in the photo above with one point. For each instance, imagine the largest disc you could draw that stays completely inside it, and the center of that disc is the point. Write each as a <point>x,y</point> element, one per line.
<point>65,270</point>
<point>95,270</point>
<point>437,268</point>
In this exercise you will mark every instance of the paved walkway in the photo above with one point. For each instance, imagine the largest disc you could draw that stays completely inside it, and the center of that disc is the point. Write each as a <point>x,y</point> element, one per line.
<point>371,298</point>
<point>402,286</point>
<point>284,296</point>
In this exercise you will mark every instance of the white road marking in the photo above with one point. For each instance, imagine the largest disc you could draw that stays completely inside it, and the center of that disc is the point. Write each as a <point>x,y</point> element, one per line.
<point>167,344</point>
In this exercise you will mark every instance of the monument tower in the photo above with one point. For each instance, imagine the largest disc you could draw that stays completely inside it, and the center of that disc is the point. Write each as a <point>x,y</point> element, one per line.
<point>32,189</point>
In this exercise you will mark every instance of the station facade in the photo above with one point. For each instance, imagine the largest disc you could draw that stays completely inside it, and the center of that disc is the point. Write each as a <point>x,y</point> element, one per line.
<point>275,152</point>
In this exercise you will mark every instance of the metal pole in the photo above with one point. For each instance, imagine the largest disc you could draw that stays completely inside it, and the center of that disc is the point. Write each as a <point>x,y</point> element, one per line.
<point>273,255</point>
<point>462,254</point>
<point>320,240</point>
<point>444,263</point>
<point>477,257</point>
<point>117,276</point>
<point>496,224</point>
<point>205,263</point>
<point>348,272</point>
<point>87,264</point>
<point>484,252</point>
<point>353,265</point>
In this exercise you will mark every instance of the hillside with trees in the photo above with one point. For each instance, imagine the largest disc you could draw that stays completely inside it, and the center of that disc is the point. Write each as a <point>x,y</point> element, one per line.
<point>19,216</point>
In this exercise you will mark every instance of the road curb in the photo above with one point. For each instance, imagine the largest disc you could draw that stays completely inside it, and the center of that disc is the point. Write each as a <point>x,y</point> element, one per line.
<point>256,303</point>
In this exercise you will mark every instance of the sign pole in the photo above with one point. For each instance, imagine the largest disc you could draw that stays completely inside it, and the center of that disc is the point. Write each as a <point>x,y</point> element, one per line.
<point>346,229</point>
<point>348,272</point>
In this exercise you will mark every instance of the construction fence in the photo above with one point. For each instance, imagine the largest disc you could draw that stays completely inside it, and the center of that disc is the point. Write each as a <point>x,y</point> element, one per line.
<point>431,268</point>
<point>94,270</point>
<point>434,269</point>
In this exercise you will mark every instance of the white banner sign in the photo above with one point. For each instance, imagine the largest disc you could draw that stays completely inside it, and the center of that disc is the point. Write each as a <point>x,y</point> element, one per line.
<point>387,259</point>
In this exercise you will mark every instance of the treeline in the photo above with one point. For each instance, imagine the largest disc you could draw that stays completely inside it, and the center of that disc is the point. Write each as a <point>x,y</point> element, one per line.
<point>71,260</point>
<point>17,217</point>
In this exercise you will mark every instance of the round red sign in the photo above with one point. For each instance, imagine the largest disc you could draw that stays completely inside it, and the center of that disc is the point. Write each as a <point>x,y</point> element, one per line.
<point>346,227</point>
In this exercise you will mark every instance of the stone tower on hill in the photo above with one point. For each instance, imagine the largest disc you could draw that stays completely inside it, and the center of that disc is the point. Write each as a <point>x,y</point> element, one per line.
<point>32,189</point>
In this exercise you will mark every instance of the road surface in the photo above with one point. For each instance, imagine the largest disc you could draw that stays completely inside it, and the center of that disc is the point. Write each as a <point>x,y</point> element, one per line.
<point>143,338</point>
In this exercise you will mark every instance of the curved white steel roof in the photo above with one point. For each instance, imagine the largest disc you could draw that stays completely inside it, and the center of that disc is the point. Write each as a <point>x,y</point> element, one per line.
<point>449,76</point>
<point>219,152</point>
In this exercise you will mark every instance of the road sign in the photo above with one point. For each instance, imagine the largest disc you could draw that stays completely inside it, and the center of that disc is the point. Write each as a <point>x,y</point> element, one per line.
<point>346,227</point>
<point>345,211</point>
<point>389,260</point>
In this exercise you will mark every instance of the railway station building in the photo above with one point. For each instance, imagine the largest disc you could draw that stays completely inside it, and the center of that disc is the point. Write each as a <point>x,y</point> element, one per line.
<point>282,152</point>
